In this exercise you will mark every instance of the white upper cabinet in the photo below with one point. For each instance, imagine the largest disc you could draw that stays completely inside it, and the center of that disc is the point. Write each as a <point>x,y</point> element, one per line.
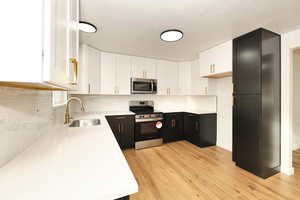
<point>167,75</point>
<point>74,41</point>
<point>115,74</point>
<point>123,74</point>
<point>143,67</point>
<point>88,71</point>
<point>184,78</point>
<point>200,86</point>
<point>217,61</point>
<point>83,73</point>
<point>43,43</point>
<point>92,65</point>
<point>108,73</point>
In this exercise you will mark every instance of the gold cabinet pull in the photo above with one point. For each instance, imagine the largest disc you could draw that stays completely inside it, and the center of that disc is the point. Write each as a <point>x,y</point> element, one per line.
<point>206,90</point>
<point>75,70</point>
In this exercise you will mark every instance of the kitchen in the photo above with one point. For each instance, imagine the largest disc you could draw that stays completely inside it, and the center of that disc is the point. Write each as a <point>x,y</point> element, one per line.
<point>188,89</point>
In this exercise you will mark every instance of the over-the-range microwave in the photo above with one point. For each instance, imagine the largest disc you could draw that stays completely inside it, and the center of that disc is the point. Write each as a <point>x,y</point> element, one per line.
<point>143,86</point>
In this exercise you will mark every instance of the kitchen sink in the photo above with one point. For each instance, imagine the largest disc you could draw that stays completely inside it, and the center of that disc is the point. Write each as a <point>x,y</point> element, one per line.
<point>85,123</point>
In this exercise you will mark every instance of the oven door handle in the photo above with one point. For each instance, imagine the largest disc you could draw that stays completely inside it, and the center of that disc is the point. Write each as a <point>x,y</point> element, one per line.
<point>148,120</point>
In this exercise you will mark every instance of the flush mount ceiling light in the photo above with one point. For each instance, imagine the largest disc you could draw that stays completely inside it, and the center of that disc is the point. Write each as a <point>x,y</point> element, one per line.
<point>87,27</point>
<point>171,35</point>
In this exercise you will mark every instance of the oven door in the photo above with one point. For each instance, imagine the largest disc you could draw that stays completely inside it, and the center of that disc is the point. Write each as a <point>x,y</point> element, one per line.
<point>141,86</point>
<point>147,130</point>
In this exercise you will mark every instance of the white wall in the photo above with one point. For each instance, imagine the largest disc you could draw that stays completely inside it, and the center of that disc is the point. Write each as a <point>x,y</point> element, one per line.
<point>24,116</point>
<point>296,103</point>
<point>98,103</point>
<point>224,111</point>
<point>289,41</point>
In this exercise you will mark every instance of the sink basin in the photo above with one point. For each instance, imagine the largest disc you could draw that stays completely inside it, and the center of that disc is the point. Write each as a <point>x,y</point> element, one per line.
<point>85,123</point>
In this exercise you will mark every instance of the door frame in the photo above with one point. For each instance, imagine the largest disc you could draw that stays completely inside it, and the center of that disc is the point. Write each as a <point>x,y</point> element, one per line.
<point>289,42</point>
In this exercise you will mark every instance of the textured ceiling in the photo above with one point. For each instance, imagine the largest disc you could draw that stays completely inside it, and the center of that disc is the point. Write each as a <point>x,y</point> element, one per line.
<point>133,27</point>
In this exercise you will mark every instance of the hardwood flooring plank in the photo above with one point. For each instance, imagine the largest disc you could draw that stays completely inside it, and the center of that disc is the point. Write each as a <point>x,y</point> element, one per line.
<point>183,171</point>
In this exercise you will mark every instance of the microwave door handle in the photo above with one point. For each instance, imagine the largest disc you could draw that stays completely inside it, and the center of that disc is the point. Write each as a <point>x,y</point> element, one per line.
<point>152,87</point>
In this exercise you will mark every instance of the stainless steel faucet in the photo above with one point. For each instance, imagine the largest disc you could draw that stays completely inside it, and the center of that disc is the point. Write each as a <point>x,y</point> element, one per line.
<point>67,114</point>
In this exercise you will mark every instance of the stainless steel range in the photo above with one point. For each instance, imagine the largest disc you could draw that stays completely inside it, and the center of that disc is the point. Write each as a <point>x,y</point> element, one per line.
<point>148,124</point>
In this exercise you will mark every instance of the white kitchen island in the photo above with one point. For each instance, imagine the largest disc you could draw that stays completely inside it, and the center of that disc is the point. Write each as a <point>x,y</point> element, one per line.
<point>69,164</point>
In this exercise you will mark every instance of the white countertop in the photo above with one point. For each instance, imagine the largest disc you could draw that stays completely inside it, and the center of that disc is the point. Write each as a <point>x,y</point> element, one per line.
<point>195,111</point>
<point>165,110</point>
<point>70,164</point>
<point>112,113</point>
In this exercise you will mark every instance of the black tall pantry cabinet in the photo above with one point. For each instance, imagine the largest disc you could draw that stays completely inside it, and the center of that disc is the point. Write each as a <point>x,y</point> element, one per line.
<point>256,108</point>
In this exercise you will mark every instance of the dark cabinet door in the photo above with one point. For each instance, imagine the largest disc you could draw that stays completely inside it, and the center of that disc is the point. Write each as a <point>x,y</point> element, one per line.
<point>256,111</point>
<point>191,127</point>
<point>207,130</point>
<point>115,127</point>
<point>247,64</point>
<point>173,127</point>
<point>234,131</point>
<point>123,130</point>
<point>127,132</point>
<point>247,129</point>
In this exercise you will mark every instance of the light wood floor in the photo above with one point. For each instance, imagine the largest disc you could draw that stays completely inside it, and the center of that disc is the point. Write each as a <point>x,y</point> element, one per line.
<point>182,171</point>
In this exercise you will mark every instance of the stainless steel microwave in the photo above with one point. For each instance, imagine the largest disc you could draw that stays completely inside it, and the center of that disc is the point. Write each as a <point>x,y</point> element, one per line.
<point>143,86</point>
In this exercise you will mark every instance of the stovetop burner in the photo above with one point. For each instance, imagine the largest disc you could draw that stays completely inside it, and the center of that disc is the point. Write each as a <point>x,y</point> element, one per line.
<point>144,109</point>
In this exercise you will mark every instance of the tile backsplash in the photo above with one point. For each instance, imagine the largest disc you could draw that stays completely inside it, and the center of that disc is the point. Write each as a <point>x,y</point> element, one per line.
<point>24,116</point>
<point>120,103</point>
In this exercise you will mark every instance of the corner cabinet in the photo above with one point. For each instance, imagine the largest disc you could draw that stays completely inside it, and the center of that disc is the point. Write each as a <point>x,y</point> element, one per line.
<point>217,61</point>
<point>173,127</point>
<point>47,44</point>
<point>123,130</point>
<point>200,86</point>
<point>200,130</point>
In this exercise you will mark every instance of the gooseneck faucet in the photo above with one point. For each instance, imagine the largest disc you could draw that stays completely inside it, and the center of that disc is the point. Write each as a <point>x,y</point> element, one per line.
<point>67,114</point>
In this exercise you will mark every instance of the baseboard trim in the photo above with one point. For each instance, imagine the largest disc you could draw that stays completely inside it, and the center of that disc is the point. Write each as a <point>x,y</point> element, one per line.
<point>223,147</point>
<point>296,146</point>
<point>288,170</point>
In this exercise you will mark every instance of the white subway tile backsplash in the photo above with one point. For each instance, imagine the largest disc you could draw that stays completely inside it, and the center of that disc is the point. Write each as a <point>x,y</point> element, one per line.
<point>24,116</point>
<point>102,103</point>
